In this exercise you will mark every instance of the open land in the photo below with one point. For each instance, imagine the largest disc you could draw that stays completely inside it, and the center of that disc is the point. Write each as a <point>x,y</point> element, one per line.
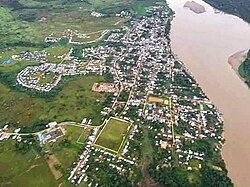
<point>66,148</point>
<point>72,103</point>
<point>26,169</point>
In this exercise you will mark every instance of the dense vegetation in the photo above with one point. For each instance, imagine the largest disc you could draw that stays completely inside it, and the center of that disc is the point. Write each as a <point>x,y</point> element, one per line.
<point>212,177</point>
<point>239,8</point>
<point>244,69</point>
<point>21,30</point>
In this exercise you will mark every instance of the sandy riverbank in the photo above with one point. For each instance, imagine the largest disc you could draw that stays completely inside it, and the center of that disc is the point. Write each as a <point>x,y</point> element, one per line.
<point>236,59</point>
<point>195,7</point>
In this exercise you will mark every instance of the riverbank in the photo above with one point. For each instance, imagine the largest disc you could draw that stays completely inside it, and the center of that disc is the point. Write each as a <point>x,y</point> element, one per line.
<point>205,48</point>
<point>236,60</point>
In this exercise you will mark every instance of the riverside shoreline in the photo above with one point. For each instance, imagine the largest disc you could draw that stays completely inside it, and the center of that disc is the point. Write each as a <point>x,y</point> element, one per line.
<point>205,48</point>
<point>236,60</point>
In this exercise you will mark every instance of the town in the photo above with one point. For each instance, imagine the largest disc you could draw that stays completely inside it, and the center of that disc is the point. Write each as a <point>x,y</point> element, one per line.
<point>152,92</point>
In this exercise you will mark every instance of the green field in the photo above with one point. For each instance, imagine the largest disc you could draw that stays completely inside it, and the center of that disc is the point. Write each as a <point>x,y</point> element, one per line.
<point>20,25</point>
<point>85,134</point>
<point>18,169</point>
<point>31,169</point>
<point>113,134</point>
<point>65,148</point>
<point>18,108</point>
<point>57,52</point>
<point>74,102</point>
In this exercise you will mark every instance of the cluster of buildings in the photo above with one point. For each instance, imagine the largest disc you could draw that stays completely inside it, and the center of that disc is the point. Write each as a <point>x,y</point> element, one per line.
<point>91,160</point>
<point>51,135</point>
<point>115,36</point>
<point>77,173</point>
<point>31,77</point>
<point>6,133</point>
<point>160,94</point>
<point>144,51</point>
<point>96,14</point>
<point>51,39</point>
<point>144,67</point>
<point>46,76</point>
<point>3,134</point>
<point>39,56</point>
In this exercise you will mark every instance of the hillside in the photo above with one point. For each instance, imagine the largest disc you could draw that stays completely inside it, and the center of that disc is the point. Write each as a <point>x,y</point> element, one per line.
<point>239,8</point>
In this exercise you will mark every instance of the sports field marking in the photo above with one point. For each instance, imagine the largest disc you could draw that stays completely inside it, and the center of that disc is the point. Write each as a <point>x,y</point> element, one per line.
<point>154,99</point>
<point>105,148</point>
<point>83,137</point>
<point>77,141</point>
<point>113,135</point>
<point>124,139</point>
<point>104,123</point>
<point>80,142</point>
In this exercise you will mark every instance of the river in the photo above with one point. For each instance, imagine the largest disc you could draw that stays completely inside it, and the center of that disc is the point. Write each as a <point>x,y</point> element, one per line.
<point>204,43</point>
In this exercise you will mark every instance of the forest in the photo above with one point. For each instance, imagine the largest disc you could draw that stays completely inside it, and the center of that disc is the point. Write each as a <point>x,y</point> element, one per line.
<point>239,8</point>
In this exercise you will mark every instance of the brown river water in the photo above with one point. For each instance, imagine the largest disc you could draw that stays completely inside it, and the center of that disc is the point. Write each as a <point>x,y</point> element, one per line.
<point>204,43</point>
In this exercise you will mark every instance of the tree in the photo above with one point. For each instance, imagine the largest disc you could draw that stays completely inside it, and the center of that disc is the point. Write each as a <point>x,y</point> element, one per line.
<point>170,176</point>
<point>212,177</point>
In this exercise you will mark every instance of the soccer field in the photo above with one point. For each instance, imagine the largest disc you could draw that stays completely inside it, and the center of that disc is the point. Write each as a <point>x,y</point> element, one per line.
<point>113,134</point>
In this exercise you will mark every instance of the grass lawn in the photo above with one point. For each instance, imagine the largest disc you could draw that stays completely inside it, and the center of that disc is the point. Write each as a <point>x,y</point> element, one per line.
<point>113,134</point>
<point>48,78</point>
<point>19,169</point>
<point>194,177</point>
<point>56,52</point>
<point>45,78</point>
<point>67,152</point>
<point>85,134</point>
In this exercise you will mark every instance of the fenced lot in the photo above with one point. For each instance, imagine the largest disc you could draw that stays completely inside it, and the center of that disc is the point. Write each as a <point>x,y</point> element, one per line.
<point>113,135</point>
